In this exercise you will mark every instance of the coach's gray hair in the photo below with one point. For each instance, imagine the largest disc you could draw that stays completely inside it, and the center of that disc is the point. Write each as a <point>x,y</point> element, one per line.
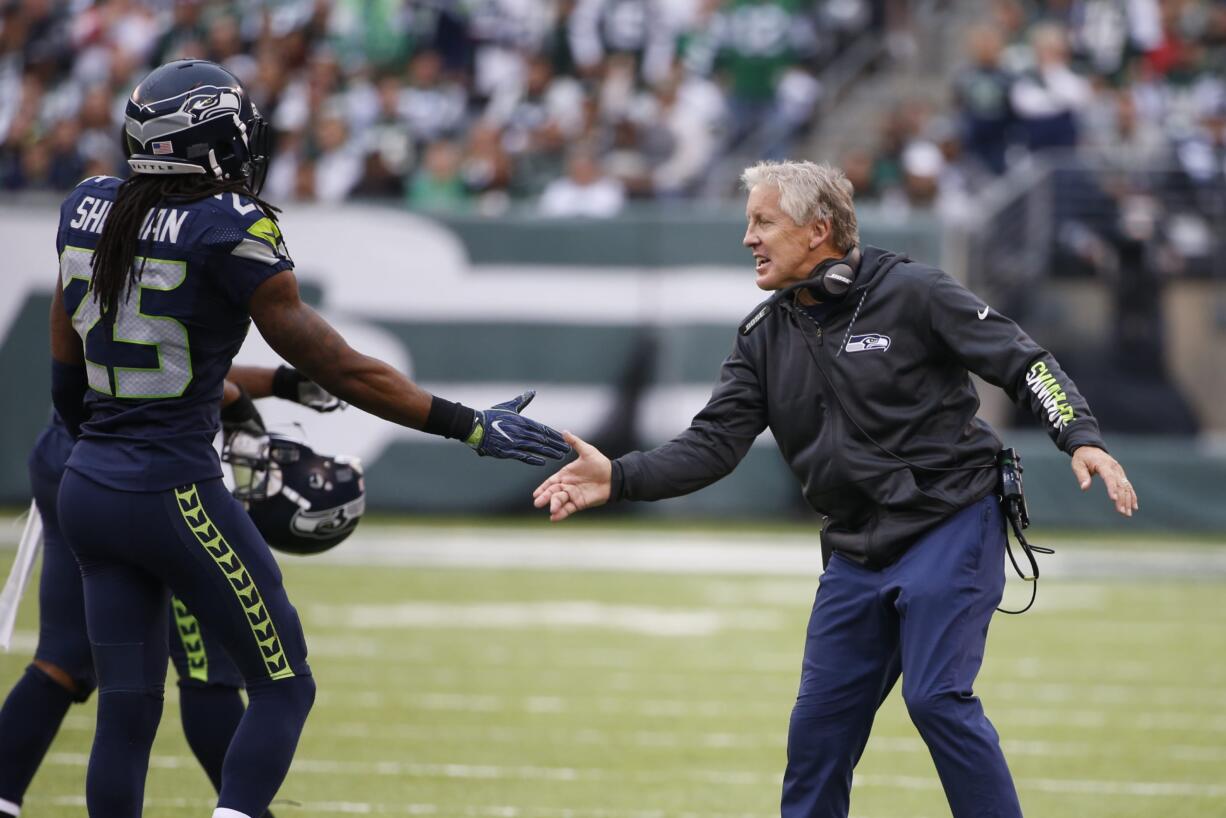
<point>810,192</point>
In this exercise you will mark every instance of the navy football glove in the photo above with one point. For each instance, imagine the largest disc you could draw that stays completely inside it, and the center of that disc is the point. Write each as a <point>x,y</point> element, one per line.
<point>290,384</point>
<point>242,416</point>
<point>501,431</point>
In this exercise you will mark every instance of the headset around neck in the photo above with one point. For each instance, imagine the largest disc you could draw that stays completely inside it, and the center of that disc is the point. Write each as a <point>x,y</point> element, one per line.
<point>832,278</point>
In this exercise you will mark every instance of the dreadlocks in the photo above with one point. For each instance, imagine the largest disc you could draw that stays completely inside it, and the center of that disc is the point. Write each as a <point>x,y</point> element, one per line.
<point>114,260</point>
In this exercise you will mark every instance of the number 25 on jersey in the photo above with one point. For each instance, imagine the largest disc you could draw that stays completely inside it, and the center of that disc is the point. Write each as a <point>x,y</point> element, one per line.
<point>132,326</point>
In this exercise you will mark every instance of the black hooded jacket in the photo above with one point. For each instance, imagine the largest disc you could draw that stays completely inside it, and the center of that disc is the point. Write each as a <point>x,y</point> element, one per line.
<point>873,409</point>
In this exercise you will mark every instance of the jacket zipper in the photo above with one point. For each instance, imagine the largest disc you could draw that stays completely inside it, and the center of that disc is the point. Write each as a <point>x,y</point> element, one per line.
<point>799,316</point>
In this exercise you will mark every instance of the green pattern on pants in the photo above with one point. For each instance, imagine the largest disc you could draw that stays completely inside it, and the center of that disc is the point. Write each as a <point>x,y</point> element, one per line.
<point>193,645</point>
<point>215,546</point>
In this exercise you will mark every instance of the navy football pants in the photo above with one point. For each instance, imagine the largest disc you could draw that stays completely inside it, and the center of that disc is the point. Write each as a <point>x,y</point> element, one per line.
<point>199,543</point>
<point>62,638</point>
<point>926,617</point>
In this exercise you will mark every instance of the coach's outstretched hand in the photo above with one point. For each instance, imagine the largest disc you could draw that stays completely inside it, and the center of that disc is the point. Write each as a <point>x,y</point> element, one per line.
<point>1091,460</point>
<point>501,431</point>
<point>582,484</point>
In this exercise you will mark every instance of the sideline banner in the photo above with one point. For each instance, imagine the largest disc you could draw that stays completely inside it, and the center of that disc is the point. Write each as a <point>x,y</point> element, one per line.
<point>619,328</point>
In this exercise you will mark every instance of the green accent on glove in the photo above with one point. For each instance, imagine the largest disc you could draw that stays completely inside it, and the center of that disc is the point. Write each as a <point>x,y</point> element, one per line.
<point>477,435</point>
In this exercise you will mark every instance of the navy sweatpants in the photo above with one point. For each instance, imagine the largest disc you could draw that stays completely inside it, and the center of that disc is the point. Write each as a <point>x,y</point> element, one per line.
<point>134,549</point>
<point>924,617</point>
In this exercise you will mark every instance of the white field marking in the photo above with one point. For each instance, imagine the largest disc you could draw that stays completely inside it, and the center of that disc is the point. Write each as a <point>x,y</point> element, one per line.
<point>648,621</point>
<point>1102,696</point>
<point>1079,786</point>
<point>765,591</point>
<point>1096,719</point>
<point>766,553</point>
<point>389,768</point>
<point>740,708</point>
<point>1135,675</point>
<point>659,739</point>
<point>24,643</point>
<point>1129,789</point>
<point>421,654</point>
<point>326,807</point>
<point>1193,753</point>
<point>1125,673</point>
<point>1119,671</point>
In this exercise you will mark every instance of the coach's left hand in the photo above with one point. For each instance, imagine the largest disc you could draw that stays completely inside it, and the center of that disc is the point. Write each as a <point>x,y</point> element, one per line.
<point>1091,460</point>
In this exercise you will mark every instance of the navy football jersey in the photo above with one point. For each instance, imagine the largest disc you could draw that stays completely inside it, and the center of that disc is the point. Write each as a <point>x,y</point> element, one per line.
<point>156,367</point>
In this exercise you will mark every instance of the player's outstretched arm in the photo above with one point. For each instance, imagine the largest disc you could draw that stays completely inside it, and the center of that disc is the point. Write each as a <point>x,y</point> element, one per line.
<point>301,336</point>
<point>1091,460</point>
<point>585,483</point>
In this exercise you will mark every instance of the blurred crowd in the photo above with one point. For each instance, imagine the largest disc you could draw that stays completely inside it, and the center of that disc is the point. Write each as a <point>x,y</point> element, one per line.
<point>574,106</point>
<point>1140,85</point>
<point>577,106</point>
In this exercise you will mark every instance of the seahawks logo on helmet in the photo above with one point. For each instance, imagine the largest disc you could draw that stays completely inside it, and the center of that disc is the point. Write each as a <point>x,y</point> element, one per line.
<point>329,523</point>
<point>222,103</point>
<point>166,117</point>
<point>193,117</point>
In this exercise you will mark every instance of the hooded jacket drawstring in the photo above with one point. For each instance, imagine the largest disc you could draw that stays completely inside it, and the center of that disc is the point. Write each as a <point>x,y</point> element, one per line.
<point>852,322</point>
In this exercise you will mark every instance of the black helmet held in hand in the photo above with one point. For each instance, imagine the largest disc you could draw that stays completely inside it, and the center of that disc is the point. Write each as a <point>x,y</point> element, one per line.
<point>193,116</point>
<point>302,502</point>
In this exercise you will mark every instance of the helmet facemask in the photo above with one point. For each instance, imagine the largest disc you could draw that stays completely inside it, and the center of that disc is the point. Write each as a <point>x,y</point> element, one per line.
<point>256,477</point>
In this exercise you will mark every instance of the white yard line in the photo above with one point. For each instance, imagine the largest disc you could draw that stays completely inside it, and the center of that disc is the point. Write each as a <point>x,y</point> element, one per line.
<point>367,808</point>
<point>663,739</point>
<point>1082,786</point>
<point>668,551</point>
<point>1018,717</point>
<point>565,614</point>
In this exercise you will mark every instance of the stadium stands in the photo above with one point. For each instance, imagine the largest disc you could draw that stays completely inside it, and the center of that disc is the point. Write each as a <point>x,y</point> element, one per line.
<point>459,106</point>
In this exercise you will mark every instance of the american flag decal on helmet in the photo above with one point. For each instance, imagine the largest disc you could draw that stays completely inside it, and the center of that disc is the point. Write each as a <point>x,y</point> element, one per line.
<point>160,148</point>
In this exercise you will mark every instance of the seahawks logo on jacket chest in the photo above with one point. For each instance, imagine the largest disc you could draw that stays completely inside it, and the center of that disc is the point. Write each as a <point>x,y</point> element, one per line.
<point>868,342</point>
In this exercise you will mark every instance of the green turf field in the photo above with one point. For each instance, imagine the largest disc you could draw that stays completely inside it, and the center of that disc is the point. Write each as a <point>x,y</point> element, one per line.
<point>563,691</point>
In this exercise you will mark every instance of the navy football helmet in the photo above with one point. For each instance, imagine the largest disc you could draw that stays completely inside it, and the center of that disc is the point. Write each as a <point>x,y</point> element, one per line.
<point>302,502</point>
<point>193,116</point>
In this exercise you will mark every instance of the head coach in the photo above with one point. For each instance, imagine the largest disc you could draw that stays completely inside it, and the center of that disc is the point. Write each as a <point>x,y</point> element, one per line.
<point>860,364</point>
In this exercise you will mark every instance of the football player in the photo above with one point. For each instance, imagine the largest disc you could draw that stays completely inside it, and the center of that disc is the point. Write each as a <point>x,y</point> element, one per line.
<point>62,670</point>
<point>161,276</point>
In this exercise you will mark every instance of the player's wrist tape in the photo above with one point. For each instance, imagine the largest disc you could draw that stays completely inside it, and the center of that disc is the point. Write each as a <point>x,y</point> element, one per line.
<point>454,420</point>
<point>285,383</point>
<point>241,410</point>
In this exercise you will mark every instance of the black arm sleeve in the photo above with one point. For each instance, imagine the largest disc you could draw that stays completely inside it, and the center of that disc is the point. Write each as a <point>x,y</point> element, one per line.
<point>68,385</point>
<point>997,350</point>
<point>718,437</point>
